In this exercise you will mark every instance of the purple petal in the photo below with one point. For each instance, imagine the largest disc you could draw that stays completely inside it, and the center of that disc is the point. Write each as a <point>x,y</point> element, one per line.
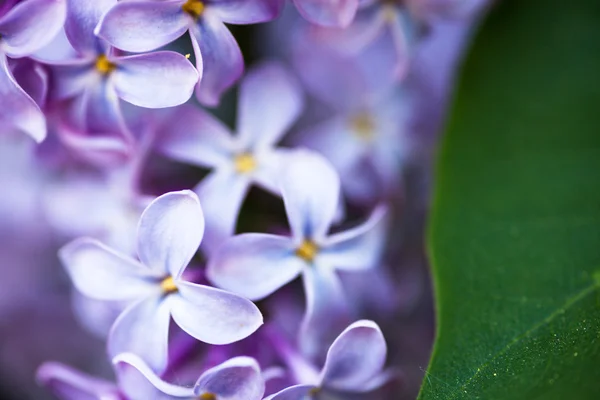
<point>270,101</point>
<point>221,194</point>
<point>236,379</point>
<point>138,381</point>
<point>155,80</point>
<point>170,231</point>
<point>298,392</point>
<point>254,264</point>
<point>32,78</point>
<point>311,190</point>
<point>246,11</point>
<point>327,311</point>
<point>194,136</point>
<point>356,248</point>
<point>82,18</point>
<point>143,25</point>
<point>17,107</point>
<point>69,384</point>
<point>221,57</point>
<point>30,25</point>
<point>355,358</point>
<point>212,315</point>
<point>102,273</point>
<point>335,13</point>
<point>143,329</point>
<point>73,77</point>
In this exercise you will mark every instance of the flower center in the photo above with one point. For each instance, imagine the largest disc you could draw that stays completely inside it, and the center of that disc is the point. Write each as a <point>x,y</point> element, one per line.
<point>307,250</point>
<point>195,8</point>
<point>168,285</point>
<point>363,126</point>
<point>314,391</point>
<point>208,396</point>
<point>104,65</point>
<point>244,163</point>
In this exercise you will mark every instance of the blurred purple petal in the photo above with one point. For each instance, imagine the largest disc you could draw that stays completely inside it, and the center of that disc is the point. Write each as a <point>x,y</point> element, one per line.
<point>212,315</point>
<point>30,25</point>
<point>70,78</point>
<point>102,273</point>
<point>69,384</point>
<point>298,392</point>
<point>254,264</point>
<point>221,57</point>
<point>328,12</point>
<point>155,80</point>
<point>236,379</point>
<point>170,232</point>
<point>82,18</point>
<point>143,329</point>
<point>143,25</point>
<point>32,78</point>
<point>247,11</point>
<point>355,358</point>
<point>270,101</point>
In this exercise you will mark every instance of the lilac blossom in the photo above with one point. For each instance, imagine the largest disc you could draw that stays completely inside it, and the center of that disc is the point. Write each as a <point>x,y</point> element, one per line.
<point>354,364</point>
<point>25,28</point>
<point>169,232</point>
<point>256,264</point>
<point>270,101</point>
<point>238,378</point>
<point>100,76</point>
<point>147,25</point>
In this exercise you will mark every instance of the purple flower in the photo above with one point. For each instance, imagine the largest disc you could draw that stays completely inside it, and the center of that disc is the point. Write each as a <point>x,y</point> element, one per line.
<point>354,364</point>
<point>256,264</point>
<point>332,13</point>
<point>146,25</point>
<point>24,29</point>
<point>236,379</point>
<point>270,100</point>
<point>169,232</point>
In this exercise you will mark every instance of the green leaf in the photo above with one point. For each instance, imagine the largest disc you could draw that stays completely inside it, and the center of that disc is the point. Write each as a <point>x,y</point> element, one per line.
<point>514,235</point>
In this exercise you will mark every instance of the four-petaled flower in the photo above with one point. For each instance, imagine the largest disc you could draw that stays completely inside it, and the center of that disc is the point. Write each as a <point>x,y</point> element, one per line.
<point>169,233</point>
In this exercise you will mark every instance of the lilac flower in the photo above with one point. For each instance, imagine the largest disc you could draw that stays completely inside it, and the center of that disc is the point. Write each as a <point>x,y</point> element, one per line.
<point>354,364</point>
<point>255,264</point>
<point>169,233</point>
<point>269,102</point>
<point>236,379</point>
<point>147,25</point>
<point>25,28</point>
<point>99,77</point>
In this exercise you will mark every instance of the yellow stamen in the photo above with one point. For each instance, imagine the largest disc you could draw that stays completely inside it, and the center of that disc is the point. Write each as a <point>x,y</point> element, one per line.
<point>208,396</point>
<point>362,124</point>
<point>195,8</point>
<point>314,391</point>
<point>168,285</point>
<point>389,13</point>
<point>244,163</point>
<point>307,250</point>
<point>188,55</point>
<point>104,65</point>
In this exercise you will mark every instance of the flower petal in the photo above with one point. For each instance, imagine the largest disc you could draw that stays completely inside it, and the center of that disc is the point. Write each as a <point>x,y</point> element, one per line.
<point>357,248</point>
<point>70,78</point>
<point>17,107</point>
<point>236,379</point>
<point>143,25</point>
<point>335,13</point>
<point>170,231</point>
<point>327,311</point>
<point>254,264</point>
<point>298,392</point>
<point>138,381</point>
<point>212,315</point>
<point>82,18</point>
<point>221,194</point>
<point>247,11</point>
<point>30,25</point>
<point>69,384</point>
<point>143,329</point>
<point>310,188</point>
<point>221,57</point>
<point>155,80</point>
<point>194,136</point>
<point>270,101</point>
<point>355,358</point>
<point>101,273</point>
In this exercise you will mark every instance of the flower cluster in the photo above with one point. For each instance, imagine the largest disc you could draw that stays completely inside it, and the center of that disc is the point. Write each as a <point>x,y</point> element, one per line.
<point>156,193</point>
